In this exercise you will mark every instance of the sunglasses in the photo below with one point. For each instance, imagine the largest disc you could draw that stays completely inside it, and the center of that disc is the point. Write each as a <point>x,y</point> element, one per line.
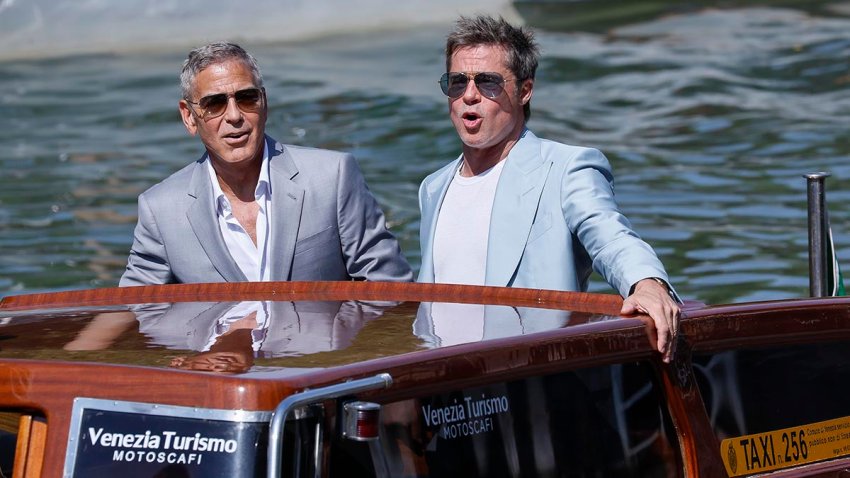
<point>489,84</point>
<point>249,100</point>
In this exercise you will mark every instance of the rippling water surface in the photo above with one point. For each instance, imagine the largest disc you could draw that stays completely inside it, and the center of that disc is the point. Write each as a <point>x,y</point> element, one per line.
<point>709,118</point>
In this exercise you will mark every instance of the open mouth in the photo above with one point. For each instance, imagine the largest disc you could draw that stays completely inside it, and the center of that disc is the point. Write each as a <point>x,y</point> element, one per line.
<point>471,119</point>
<point>236,136</point>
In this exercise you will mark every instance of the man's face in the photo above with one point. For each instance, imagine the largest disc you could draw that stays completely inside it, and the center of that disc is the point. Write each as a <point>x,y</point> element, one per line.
<point>236,137</point>
<point>487,123</point>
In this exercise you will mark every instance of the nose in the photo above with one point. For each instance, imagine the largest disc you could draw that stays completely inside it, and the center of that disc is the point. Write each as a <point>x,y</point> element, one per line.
<point>232,114</point>
<point>471,93</point>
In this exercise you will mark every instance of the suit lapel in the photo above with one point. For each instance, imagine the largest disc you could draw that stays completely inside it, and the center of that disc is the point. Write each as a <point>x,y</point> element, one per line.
<point>200,329</point>
<point>202,217</point>
<point>514,208</point>
<point>287,202</point>
<point>435,191</point>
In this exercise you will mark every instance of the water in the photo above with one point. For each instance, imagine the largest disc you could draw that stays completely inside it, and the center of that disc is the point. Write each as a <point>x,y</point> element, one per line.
<point>709,118</point>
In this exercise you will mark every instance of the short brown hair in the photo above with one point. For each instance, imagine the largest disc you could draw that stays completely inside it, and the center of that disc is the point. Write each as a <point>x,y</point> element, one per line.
<point>518,42</point>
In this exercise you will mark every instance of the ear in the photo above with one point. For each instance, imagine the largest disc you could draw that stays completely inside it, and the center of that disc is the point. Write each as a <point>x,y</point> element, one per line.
<point>188,117</point>
<point>526,91</point>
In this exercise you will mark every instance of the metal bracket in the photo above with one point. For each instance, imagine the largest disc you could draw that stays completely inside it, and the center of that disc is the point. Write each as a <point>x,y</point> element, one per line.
<point>274,460</point>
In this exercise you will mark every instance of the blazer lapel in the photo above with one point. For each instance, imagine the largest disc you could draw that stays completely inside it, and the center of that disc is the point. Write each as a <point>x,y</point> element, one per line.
<point>287,202</point>
<point>435,191</point>
<point>200,328</point>
<point>514,208</point>
<point>202,217</point>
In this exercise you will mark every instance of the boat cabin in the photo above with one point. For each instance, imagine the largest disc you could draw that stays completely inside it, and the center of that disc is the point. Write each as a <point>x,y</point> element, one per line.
<point>354,379</point>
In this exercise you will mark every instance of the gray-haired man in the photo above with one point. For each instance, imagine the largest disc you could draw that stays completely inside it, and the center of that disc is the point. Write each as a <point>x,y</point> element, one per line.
<point>251,208</point>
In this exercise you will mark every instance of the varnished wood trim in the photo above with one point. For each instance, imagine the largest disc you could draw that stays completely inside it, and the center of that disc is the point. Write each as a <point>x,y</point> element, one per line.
<point>604,304</point>
<point>22,446</point>
<point>744,326</point>
<point>29,452</point>
<point>750,308</point>
<point>697,441</point>
<point>38,440</point>
<point>506,359</point>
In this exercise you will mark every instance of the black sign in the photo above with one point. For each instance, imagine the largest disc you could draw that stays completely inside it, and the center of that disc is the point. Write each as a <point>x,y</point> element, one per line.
<point>132,444</point>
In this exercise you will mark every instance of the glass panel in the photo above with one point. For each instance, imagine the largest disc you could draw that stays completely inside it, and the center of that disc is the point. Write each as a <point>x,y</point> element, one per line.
<point>778,407</point>
<point>604,421</point>
<point>759,390</point>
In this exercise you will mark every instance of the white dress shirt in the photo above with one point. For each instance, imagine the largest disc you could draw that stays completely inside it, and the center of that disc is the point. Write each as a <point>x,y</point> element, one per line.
<point>252,259</point>
<point>237,312</point>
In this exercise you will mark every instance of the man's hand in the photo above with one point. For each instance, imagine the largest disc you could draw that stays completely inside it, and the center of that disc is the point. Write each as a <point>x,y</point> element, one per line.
<point>652,298</point>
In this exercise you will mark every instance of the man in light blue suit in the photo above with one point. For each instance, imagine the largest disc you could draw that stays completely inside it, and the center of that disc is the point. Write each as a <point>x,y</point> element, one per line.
<point>252,208</point>
<point>516,210</point>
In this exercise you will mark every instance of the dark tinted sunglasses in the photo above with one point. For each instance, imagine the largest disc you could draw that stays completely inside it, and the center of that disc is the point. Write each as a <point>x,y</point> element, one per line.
<point>249,100</point>
<point>489,84</point>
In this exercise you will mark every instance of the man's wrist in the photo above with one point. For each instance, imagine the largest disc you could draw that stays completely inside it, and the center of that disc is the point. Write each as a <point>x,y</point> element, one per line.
<point>670,291</point>
<point>661,282</point>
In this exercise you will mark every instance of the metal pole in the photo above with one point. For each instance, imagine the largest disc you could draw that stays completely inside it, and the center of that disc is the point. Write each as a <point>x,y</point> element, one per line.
<point>274,460</point>
<point>817,233</point>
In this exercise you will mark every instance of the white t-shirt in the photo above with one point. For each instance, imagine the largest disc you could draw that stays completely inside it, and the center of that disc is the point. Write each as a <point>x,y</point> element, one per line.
<point>463,228</point>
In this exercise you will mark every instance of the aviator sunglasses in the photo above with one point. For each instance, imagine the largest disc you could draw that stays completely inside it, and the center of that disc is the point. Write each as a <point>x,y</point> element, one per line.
<point>249,100</point>
<point>489,84</point>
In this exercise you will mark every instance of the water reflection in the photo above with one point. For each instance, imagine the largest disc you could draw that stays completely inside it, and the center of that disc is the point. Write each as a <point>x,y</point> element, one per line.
<point>229,336</point>
<point>264,336</point>
<point>101,331</point>
<point>440,324</point>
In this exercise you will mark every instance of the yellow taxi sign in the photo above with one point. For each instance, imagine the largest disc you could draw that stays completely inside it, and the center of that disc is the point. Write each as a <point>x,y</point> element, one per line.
<point>785,448</point>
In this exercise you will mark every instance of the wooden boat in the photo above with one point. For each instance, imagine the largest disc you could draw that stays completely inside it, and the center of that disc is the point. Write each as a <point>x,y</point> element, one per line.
<point>379,379</point>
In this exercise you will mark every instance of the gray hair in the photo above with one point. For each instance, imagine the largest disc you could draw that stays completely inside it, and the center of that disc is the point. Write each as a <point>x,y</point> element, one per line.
<point>518,42</point>
<point>218,52</point>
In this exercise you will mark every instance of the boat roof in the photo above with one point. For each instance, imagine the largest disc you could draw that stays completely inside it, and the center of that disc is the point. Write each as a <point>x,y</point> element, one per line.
<point>130,346</point>
<point>292,328</point>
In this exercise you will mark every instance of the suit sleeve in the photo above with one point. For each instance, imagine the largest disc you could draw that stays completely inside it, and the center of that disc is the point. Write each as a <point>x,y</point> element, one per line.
<point>370,250</point>
<point>616,250</point>
<point>148,261</point>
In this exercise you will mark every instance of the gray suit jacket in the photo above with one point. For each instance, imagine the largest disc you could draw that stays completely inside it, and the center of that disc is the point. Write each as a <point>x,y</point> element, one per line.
<point>554,218</point>
<point>326,225</point>
<point>293,328</point>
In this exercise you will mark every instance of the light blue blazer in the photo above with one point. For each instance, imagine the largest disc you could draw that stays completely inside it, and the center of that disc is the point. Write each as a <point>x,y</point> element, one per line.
<point>554,221</point>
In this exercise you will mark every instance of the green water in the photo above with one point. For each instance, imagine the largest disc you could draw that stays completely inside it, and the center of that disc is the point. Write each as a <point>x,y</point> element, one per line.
<point>709,117</point>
